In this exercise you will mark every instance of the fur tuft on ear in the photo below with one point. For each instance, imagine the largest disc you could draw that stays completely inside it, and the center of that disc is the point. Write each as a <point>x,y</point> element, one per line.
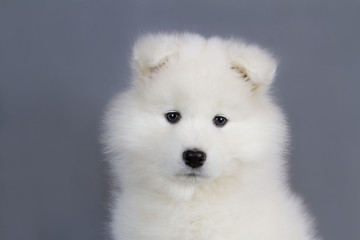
<point>254,64</point>
<point>152,51</point>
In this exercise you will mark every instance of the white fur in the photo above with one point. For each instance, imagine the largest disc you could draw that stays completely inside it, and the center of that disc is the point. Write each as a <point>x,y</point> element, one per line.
<point>241,192</point>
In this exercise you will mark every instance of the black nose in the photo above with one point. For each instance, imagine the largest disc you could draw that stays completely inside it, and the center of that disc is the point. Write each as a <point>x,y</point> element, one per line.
<point>194,158</point>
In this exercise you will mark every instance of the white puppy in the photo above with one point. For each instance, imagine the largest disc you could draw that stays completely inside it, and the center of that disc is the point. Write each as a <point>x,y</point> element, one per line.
<point>196,145</point>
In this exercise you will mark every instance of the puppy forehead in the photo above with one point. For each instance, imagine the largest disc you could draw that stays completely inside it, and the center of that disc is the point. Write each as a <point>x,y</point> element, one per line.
<point>197,93</point>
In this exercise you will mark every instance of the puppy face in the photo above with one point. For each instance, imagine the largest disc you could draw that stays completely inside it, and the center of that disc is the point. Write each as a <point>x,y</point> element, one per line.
<point>194,114</point>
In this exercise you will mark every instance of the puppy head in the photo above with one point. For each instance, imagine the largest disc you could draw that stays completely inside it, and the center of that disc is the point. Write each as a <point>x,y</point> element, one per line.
<point>198,111</point>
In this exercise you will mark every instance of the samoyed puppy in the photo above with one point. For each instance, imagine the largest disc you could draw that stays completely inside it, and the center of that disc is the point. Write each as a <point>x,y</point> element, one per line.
<point>197,146</point>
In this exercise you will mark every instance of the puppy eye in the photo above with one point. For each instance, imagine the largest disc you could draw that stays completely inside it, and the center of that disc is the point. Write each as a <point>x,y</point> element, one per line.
<point>173,117</point>
<point>219,121</point>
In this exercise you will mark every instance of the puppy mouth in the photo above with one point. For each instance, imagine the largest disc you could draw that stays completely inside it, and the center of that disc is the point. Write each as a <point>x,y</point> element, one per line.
<point>191,175</point>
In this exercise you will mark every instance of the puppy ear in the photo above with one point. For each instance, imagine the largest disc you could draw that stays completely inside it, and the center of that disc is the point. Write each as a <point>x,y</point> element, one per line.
<point>152,51</point>
<point>253,64</point>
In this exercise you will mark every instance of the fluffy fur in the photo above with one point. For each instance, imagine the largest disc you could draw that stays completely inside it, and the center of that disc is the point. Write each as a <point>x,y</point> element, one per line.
<point>241,191</point>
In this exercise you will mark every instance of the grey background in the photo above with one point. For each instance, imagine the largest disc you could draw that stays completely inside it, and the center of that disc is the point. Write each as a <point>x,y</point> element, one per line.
<point>61,61</point>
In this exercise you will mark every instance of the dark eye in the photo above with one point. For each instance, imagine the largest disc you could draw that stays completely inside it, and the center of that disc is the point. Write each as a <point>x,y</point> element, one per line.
<point>219,121</point>
<point>173,117</point>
